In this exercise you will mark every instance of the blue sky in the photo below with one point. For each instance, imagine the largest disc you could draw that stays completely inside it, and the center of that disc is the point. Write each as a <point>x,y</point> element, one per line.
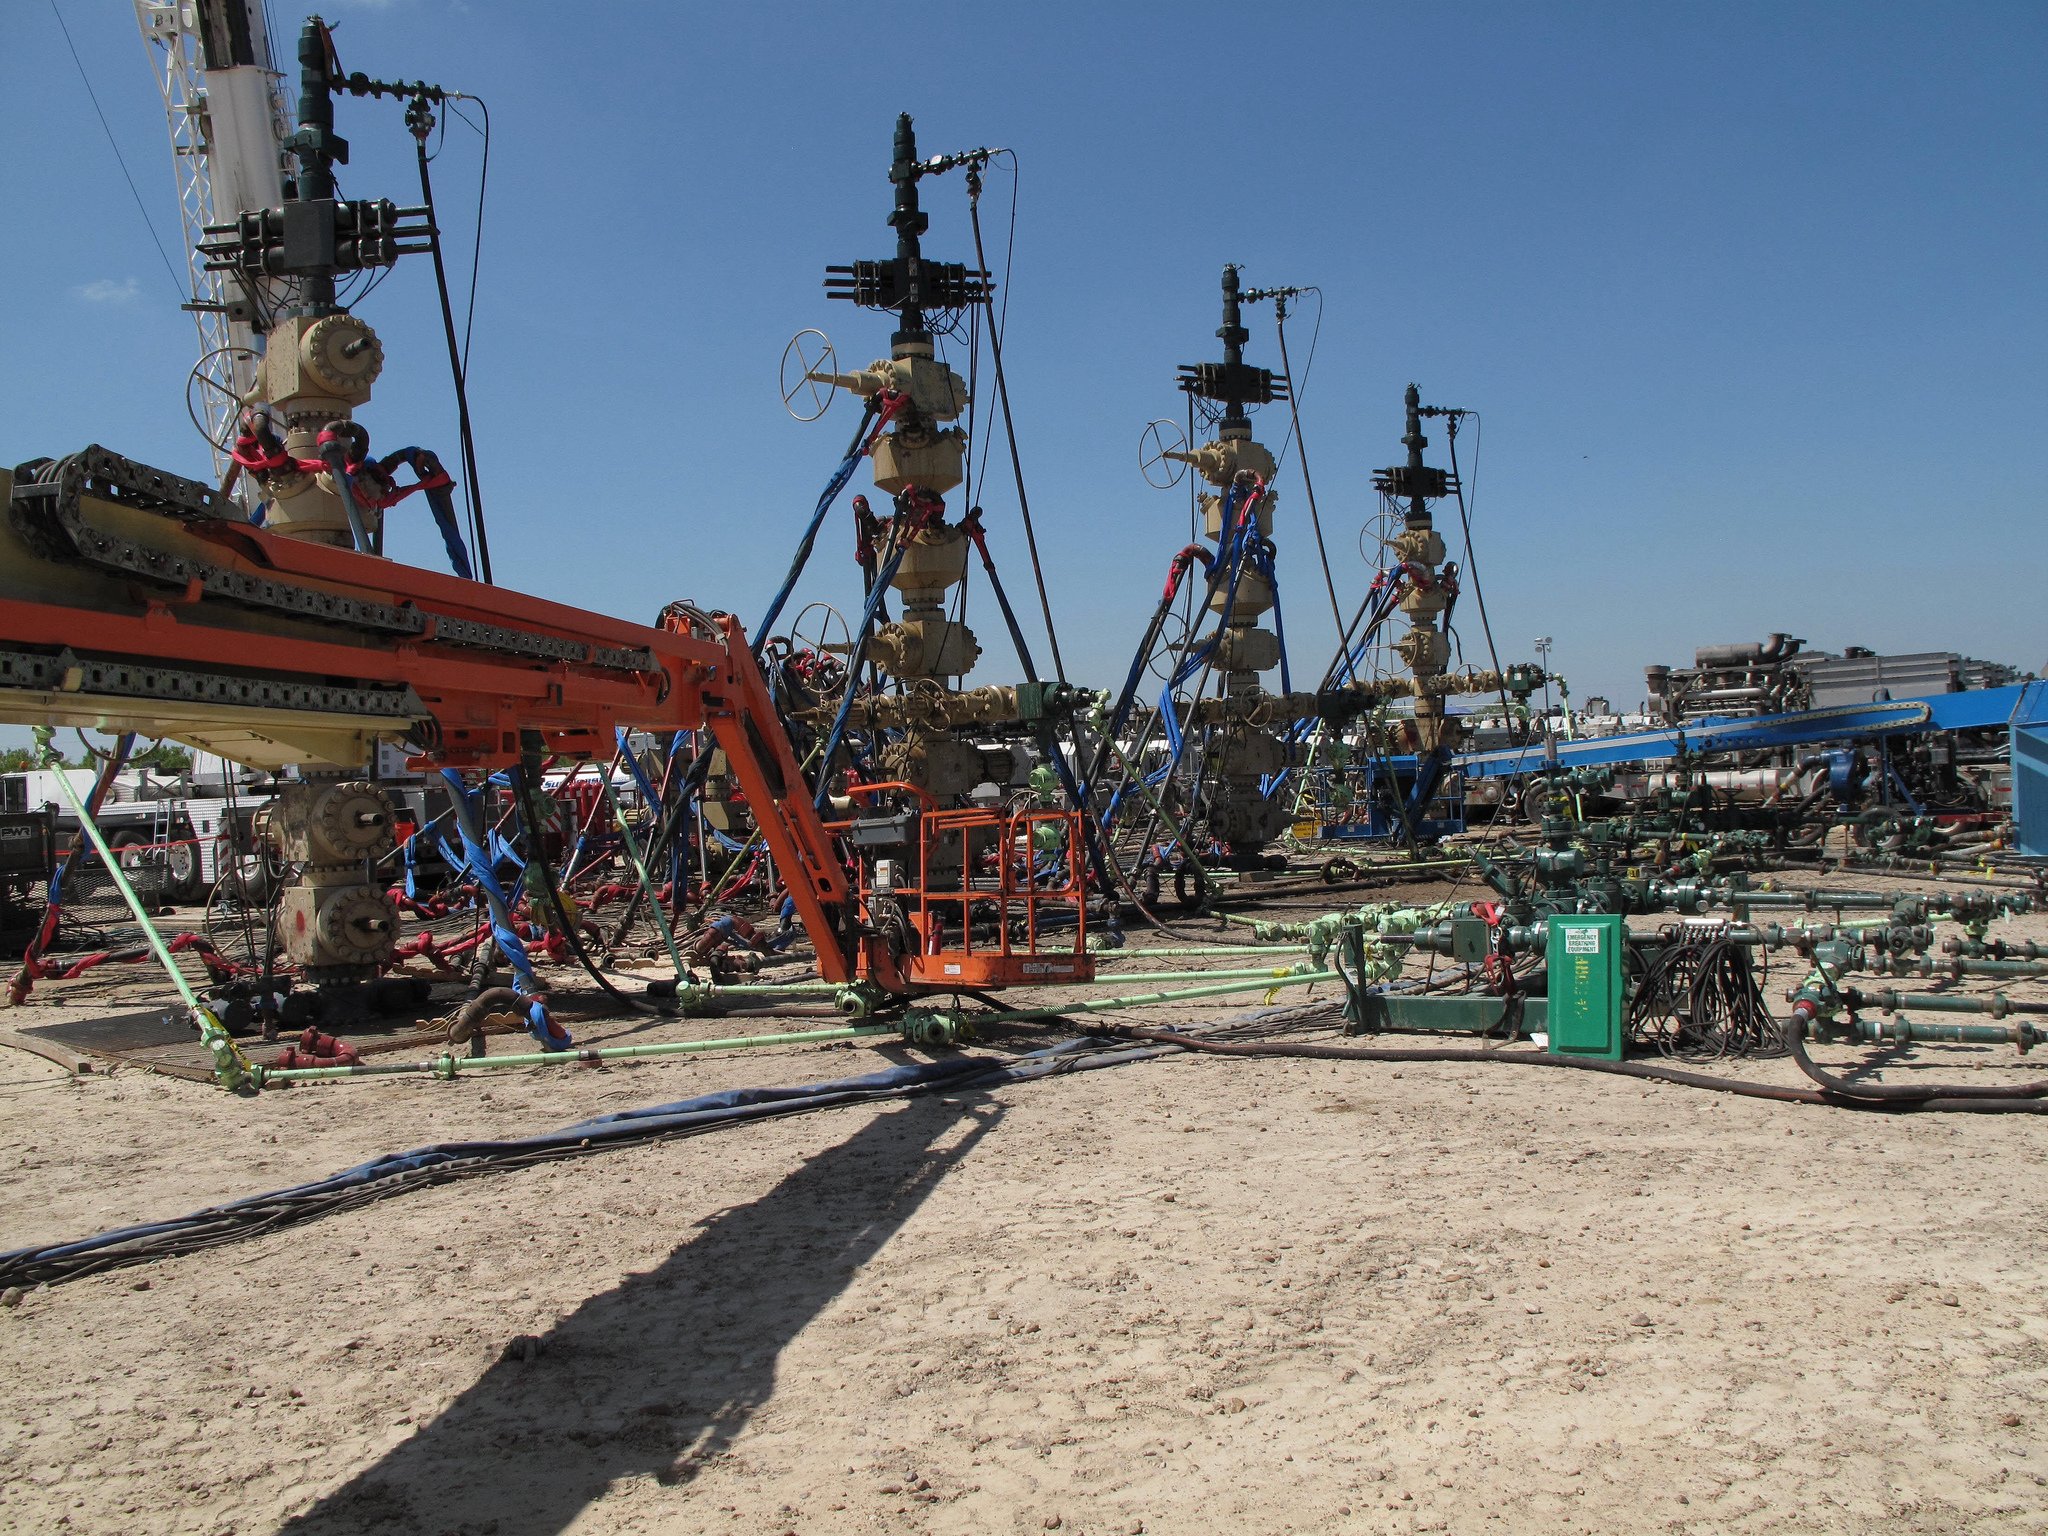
<point>1751,296</point>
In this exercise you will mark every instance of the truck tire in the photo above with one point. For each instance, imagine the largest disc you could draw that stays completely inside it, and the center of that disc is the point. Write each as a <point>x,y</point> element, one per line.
<point>247,875</point>
<point>140,863</point>
<point>181,872</point>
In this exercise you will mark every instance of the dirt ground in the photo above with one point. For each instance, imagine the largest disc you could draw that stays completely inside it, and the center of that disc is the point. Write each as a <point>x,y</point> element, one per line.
<point>1184,1295</point>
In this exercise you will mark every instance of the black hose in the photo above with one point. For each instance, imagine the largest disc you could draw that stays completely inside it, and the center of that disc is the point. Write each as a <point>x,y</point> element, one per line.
<point>1906,1096</point>
<point>398,1173</point>
<point>1507,719</point>
<point>523,786</point>
<point>1834,1094</point>
<point>995,349</point>
<point>1308,486</point>
<point>468,1026</point>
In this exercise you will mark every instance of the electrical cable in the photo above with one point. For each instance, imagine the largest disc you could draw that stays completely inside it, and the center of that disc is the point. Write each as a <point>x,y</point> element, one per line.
<point>1698,999</point>
<point>476,254</point>
<point>1472,559</point>
<point>995,352</point>
<point>121,160</point>
<point>1308,485</point>
<point>457,366</point>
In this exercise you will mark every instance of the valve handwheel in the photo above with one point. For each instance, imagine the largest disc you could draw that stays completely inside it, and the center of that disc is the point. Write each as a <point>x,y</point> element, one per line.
<point>823,630</point>
<point>1160,438</point>
<point>804,395</point>
<point>211,399</point>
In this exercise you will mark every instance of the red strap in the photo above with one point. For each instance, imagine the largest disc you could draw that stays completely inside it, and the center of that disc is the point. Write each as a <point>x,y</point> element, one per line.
<point>891,402</point>
<point>396,494</point>
<point>1178,569</point>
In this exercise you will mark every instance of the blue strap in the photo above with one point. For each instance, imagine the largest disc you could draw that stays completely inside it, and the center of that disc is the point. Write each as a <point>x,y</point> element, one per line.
<point>1272,575</point>
<point>410,861</point>
<point>833,487</point>
<point>441,501</point>
<point>883,577</point>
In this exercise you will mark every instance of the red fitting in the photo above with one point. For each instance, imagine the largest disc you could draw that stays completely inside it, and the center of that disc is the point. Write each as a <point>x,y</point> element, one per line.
<point>317,1050</point>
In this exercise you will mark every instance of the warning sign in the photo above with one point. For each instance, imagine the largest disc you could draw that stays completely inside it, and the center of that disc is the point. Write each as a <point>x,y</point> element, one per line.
<point>1582,941</point>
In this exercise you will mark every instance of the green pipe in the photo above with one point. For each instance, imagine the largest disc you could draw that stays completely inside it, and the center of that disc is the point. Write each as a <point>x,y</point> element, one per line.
<point>1201,949</point>
<point>854,1000</point>
<point>231,1069</point>
<point>1900,1030</point>
<point>1267,922</point>
<point>2010,949</point>
<point>719,989</point>
<point>1244,972</point>
<point>1888,999</point>
<point>1144,999</point>
<point>1777,936</point>
<point>1929,965</point>
<point>450,1065</point>
<point>1242,922</point>
<point>1811,901</point>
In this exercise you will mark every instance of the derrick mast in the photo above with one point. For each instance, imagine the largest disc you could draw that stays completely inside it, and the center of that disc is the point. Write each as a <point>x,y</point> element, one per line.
<point>228,121</point>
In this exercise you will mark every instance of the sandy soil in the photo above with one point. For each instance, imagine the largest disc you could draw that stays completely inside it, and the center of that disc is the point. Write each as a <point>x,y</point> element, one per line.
<point>1179,1296</point>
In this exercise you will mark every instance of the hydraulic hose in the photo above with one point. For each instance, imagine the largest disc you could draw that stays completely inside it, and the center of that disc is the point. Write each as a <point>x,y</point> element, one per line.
<point>1048,742</point>
<point>458,363</point>
<point>2031,1097</point>
<point>809,541</point>
<point>1833,1093</point>
<point>996,324</point>
<point>523,781</point>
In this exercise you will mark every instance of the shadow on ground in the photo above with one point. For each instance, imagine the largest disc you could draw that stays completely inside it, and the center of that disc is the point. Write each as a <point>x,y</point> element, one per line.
<point>660,1374</point>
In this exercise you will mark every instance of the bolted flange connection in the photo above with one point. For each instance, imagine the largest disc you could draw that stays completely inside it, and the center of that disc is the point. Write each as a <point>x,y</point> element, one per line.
<point>933,1026</point>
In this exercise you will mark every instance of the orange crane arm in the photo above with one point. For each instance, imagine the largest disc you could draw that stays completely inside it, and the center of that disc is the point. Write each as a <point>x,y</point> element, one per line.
<point>128,602</point>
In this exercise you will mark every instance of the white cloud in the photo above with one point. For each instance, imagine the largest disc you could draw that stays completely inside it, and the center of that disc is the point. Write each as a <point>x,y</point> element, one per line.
<point>106,291</point>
